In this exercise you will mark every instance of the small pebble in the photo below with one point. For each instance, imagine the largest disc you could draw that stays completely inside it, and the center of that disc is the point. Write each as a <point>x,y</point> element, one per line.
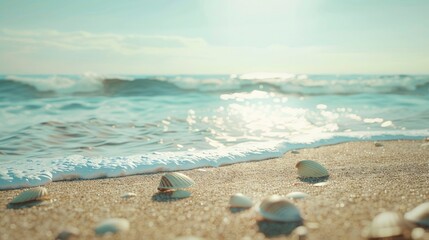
<point>128,195</point>
<point>68,233</point>
<point>378,144</point>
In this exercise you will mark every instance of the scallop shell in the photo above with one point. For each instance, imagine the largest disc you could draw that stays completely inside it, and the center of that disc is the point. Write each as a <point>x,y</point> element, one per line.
<point>180,194</point>
<point>277,208</point>
<point>239,200</point>
<point>174,180</point>
<point>419,215</point>
<point>297,195</point>
<point>33,194</point>
<point>384,225</point>
<point>311,169</point>
<point>112,225</point>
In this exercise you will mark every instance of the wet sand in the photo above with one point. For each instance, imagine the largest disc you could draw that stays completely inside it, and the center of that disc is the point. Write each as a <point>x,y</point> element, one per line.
<point>364,181</point>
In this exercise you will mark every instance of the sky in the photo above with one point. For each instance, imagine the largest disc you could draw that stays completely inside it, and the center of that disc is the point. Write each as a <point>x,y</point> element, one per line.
<point>214,36</point>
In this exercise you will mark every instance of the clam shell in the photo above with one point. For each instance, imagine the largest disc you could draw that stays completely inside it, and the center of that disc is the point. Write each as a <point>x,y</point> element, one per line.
<point>174,180</point>
<point>112,225</point>
<point>180,194</point>
<point>384,225</point>
<point>311,169</point>
<point>239,200</point>
<point>296,195</point>
<point>277,208</point>
<point>33,194</point>
<point>419,215</point>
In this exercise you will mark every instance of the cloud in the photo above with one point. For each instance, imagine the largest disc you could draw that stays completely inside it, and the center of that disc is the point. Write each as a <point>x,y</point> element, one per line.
<point>81,41</point>
<point>47,51</point>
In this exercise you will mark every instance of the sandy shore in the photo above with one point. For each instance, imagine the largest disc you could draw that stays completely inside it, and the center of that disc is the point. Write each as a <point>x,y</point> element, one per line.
<point>365,180</point>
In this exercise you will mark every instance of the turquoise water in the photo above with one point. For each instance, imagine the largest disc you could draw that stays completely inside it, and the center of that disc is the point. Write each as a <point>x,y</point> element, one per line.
<point>86,126</point>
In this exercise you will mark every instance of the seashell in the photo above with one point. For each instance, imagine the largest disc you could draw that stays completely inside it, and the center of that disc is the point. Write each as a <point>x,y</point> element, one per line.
<point>174,180</point>
<point>128,195</point>
<point>68,234</point>
<point>277,208</point>
<point>112,225</point>
<point>239,200</point>
<point>297,195</point>
<point>419,215</point>
<point>33,194</point>
<point>378,144</point>
<point>418,234</point>
<point>180,194</point>
<point>311,169</point>
<point>384,225</point>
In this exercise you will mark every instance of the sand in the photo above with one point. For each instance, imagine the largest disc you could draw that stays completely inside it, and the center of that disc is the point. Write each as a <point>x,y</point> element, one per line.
<point>365,180</point>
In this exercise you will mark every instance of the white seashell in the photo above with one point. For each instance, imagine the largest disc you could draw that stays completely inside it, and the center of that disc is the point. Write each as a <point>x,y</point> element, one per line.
<point>68,234</point>
<point>297,195</point>
<point>174,180</point>
<point>311,169</point>
<point>128,195</point>
<point>180,194</point>
<point>418,234</point>
<point>33,194</point>
<point>239,200</point>
<point>277,208</point>
<point>386,224</point>
<point>419,215</point>
<point>112,225</point>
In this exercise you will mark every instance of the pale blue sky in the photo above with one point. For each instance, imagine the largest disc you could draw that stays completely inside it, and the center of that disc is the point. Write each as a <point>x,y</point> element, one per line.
<point>214,36</point>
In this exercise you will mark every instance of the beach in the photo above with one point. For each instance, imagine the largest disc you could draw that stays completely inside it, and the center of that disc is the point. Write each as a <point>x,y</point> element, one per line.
<point>364,181</point>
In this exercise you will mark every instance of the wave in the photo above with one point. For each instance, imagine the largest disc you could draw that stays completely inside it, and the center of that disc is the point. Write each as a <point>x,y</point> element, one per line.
<point>94,84</point>
<point>35,172</point>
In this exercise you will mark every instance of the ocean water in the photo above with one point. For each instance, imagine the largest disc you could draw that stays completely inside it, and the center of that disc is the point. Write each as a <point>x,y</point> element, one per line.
<point>56,127</point>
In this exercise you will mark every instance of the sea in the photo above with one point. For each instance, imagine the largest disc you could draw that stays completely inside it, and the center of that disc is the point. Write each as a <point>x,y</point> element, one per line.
<point>63,127</point>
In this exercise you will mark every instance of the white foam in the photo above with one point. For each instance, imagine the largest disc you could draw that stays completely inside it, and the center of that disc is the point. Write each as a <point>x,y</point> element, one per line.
<point>42,171</point>
<point>87,82</point>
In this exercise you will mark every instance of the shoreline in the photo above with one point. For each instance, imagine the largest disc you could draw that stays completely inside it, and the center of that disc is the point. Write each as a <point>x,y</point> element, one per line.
<point>364,181</point>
